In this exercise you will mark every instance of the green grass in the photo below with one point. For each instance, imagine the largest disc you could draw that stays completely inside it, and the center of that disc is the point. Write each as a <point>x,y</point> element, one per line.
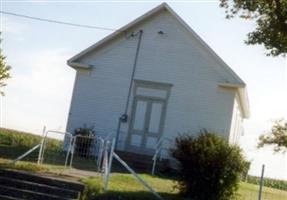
<point>250,191</point>
<point>269,182</point>
<point>21,165</point>
<point>124,186</point>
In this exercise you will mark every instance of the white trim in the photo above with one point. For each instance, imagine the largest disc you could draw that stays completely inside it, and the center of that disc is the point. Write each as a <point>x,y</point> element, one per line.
<point>231,85</point>
<point>78,65</point>
<point>242,94</point>
<point>163,6</point>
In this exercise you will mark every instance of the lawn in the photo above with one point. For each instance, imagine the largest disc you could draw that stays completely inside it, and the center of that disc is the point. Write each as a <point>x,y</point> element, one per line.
<point>250,191</point>
<point>124,186</point>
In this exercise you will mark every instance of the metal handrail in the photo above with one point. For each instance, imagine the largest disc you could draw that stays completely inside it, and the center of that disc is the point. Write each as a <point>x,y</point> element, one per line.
<point>158,151</point>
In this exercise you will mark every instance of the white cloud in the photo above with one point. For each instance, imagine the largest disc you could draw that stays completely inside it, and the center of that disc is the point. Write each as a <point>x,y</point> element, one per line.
<point>40,94</point>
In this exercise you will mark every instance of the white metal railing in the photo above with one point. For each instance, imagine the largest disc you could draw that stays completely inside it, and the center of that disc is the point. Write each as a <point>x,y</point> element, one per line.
<point>160,146</point>
<point>45,136</point>
<point>96,150</point>
<point>26,153</point>
<point>41,146</point>
<point>109,154</point>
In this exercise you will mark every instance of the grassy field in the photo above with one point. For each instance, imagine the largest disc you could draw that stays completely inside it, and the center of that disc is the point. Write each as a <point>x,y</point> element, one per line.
<point>250,191</point>
<point>124,186</point>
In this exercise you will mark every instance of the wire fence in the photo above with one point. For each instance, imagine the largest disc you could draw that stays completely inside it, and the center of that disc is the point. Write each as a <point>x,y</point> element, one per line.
<point>54,150</point>
<point>86,152</point>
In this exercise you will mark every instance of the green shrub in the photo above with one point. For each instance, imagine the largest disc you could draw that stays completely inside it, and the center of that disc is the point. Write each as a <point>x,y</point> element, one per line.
<point>244,174</point>
<point>209,168</point>
<point>85,131</point>
<point>84,143</point>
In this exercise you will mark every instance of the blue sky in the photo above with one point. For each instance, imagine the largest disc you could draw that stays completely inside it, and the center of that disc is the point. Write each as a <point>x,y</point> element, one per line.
<point>40,91</point>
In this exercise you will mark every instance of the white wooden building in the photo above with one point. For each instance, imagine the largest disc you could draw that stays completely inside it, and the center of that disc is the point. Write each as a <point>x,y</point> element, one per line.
<point>176,82</point>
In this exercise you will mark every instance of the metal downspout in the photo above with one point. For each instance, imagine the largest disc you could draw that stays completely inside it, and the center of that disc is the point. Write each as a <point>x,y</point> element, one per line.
<point>123,117</point>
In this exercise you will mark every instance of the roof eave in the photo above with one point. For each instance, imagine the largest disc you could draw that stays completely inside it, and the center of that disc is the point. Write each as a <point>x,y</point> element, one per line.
<point>77,65</point>
<point>243,97</point>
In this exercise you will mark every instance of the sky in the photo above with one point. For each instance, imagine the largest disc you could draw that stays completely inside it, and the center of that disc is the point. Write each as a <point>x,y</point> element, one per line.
<point>40,90</point>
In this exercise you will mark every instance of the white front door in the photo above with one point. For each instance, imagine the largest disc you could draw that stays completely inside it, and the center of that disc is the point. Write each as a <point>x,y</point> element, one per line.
<point>146,124</point>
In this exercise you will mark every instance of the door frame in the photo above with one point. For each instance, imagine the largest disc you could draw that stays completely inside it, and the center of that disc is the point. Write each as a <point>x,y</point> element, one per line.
<point>150,99</point>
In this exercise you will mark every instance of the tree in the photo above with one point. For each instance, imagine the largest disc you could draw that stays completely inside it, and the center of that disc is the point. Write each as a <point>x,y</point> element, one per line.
<point>208,166</point>
<point>271,21</point>
<point>277,137</point>
<point>4,71</point>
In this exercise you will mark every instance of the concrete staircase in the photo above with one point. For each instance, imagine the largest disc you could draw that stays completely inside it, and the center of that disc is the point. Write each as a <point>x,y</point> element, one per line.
<point>140,162</point>
<point>21,185</point>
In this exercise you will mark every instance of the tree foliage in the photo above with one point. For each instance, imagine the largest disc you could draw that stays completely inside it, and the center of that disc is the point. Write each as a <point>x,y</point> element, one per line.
<point>271,21</point>
<point>277,136</point>
<point>4,71</point>
<point>209,168</point>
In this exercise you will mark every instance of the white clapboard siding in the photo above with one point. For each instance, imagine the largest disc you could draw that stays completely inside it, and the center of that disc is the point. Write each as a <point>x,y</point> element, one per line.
<point>176,57</point>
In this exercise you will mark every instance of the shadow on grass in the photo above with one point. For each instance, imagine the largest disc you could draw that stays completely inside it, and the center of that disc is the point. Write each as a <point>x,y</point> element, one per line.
<point>163,174</point>
<point>139,195</point>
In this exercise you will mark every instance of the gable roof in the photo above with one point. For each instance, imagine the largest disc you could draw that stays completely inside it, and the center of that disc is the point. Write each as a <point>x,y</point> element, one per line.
<point>240,85</point>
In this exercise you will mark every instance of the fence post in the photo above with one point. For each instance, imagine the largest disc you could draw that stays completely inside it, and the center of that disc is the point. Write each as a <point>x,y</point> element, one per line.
<point>41,146</point>
<point>261,183</point>
<point>109,164</point>
<point>74,139</point>
<point>69,149</point>
<point>44,146</point>
<point>100,153</point>
<point>105,164</point>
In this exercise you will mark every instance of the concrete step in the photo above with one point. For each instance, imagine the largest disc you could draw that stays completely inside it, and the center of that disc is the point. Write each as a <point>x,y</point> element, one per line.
<point>24,185</point>
<point>25,194</point>
<point>139,162</point>
<point>54,182</point>
<point>39,188</point>
<point>134,155</point>
<point>3,197</point>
